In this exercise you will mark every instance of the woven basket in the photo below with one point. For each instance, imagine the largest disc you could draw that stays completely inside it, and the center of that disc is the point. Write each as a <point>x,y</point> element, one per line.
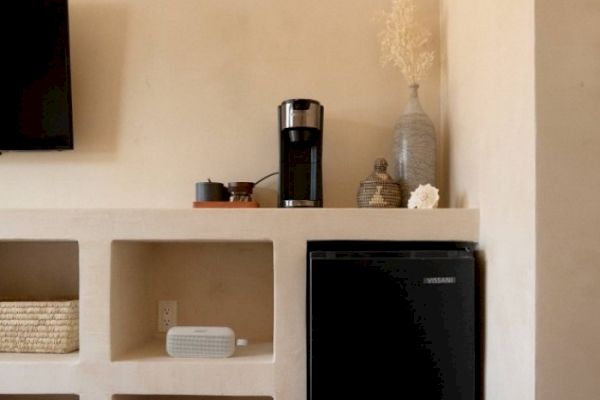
<point>39,326</point>
<point>379,189</point>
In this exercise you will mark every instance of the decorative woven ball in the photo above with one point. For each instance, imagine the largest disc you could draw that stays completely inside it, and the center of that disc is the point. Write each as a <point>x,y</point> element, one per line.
<point>379,190</point>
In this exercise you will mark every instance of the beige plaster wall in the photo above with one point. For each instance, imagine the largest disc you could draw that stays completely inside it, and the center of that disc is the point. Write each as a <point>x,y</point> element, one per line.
<point>170,92</point>
<point>39,270</point>
<point>489,125</point>
<point>568,190</point>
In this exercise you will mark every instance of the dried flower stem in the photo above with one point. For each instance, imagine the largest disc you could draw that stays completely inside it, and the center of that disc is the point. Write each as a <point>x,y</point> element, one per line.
<point>403,42</point>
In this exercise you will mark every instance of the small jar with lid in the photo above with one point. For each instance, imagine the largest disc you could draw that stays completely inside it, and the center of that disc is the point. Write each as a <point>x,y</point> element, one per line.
<point>379,190</point>
<point>240,191</point>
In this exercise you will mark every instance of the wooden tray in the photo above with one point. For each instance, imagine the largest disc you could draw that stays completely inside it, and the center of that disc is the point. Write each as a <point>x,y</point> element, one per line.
<point>226,204</point>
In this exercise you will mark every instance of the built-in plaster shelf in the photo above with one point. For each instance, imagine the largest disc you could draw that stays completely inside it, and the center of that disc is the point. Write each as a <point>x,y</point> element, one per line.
<point>154,352</point>
<point>38,358</point>
<point>239,268</point>
<point>146,397</point>
<point>38,397</point>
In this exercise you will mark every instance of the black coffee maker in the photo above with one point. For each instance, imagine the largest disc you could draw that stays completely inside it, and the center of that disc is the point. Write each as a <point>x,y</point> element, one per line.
<point>300,153</point>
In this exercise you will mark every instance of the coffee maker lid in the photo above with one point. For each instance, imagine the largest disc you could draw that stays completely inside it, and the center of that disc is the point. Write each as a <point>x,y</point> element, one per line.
<point>301,103</point>
<point>301,113</point>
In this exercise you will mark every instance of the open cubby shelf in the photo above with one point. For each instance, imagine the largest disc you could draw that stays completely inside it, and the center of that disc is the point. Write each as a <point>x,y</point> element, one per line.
<point>214,283</point>
<point>39,270</point>
<point>154,352</point>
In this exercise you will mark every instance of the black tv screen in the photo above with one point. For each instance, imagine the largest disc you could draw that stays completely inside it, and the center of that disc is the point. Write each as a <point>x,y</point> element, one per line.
<point>37,114</point>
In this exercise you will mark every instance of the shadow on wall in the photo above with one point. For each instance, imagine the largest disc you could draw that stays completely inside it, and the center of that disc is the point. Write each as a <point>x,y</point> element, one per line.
<point>345,161</point>
<point>98,34</point>
<point>480,281</point>
<point>267,196</point>
<point>444,164</point>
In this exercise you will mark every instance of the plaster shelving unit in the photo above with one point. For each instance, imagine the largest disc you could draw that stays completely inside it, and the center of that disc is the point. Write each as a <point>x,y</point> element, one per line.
<point>39,397</point>
<point>241,268</point>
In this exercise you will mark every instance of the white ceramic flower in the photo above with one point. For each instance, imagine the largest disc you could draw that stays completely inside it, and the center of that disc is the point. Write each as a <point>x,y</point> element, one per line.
<point>424,197</point>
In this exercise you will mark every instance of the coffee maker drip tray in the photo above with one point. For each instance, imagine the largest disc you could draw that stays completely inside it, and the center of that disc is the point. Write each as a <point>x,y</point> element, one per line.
<point>301,203</point>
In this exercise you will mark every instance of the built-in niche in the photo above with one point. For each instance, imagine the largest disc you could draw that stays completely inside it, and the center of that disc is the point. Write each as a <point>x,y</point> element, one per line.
<point>214,284</point>
<point>38,270</point>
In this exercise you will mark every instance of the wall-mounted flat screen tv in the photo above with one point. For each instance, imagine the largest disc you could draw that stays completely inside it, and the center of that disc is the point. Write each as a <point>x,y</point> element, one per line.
<point>37,85</point>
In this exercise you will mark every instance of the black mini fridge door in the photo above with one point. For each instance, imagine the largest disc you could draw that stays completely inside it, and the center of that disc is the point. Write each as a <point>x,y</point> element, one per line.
<point>392,324</point>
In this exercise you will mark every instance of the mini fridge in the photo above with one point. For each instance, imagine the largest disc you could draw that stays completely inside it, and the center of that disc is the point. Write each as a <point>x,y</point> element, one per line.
<point>392,321</point>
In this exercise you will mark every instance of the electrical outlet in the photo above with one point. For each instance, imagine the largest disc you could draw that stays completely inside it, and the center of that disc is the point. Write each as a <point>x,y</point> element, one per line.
<point>167,314</point>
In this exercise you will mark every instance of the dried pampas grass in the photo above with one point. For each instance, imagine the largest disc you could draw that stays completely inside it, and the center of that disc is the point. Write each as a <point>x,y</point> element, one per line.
<point>403,42</point>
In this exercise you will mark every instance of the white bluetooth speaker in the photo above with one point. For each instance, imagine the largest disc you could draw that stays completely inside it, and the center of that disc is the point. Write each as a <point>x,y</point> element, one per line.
<point>201,341</point>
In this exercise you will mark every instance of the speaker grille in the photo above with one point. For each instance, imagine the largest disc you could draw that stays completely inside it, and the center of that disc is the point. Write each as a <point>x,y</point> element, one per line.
<point>200,346</point>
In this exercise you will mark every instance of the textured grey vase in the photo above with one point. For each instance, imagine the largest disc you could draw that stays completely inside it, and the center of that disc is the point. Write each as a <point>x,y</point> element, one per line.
<point>414,150</point>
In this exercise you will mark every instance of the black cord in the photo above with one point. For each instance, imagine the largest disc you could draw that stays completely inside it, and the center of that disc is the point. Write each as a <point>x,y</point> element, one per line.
<point>265,177</point>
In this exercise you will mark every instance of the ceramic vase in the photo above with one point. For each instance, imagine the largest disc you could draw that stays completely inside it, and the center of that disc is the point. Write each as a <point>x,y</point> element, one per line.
<point>414,150</point>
